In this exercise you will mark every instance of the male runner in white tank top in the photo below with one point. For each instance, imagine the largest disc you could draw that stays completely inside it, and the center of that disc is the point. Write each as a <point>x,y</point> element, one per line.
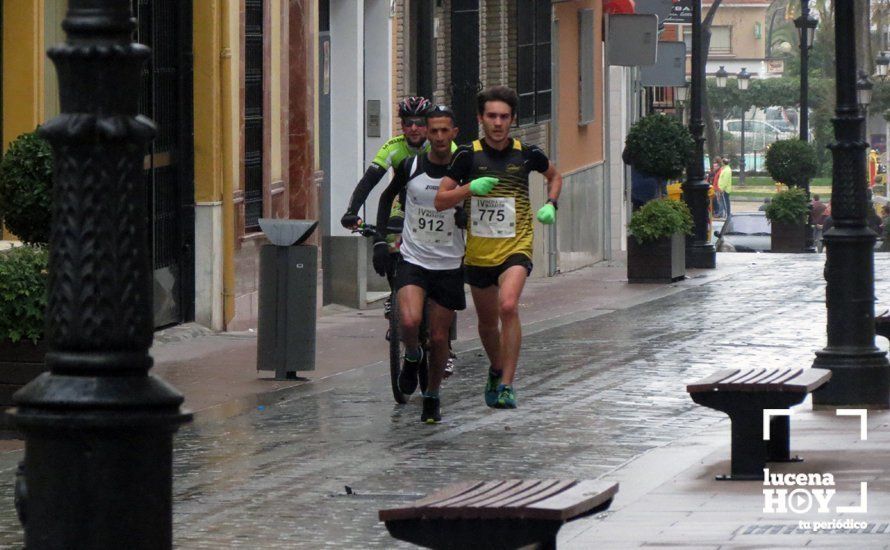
<point>432,253</point>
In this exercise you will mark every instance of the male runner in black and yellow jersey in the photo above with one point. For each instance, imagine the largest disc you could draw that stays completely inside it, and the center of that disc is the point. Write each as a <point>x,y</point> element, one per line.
<point>491,174</point>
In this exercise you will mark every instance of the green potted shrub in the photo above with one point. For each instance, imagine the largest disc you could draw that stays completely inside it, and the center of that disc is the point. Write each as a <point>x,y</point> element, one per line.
<point>788,213</point>
<point>657,147</point>
<point>792,162</point>
<point>26,172</point>
<point>26,178</point>
<point>656,244</point>
<point>23,289</point>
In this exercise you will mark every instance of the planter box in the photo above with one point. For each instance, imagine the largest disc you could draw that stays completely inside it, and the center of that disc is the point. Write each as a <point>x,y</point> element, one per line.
<point>661,261</point>
<point>787,237</point>
<point>19,364</point>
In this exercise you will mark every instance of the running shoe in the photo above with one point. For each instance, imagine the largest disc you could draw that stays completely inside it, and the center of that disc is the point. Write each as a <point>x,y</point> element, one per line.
<point>408,376</point>
<point>491,388</point>
<point>506,397</point>
<point>430,414</point>
<point>449,364</point>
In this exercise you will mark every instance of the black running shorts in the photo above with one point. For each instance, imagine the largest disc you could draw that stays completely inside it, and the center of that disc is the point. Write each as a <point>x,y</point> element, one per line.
<point>445,287</point>
<point>484,277</point>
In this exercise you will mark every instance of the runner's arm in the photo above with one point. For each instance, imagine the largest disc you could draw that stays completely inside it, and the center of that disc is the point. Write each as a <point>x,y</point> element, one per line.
<point>450,194</point>
<point>554,182</point>
<point>384,207</point>
<point>536,160</point>
<point>372,177</point>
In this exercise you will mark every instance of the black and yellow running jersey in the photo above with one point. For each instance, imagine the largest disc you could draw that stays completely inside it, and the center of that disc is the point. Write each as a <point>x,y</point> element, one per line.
<point>500,222</point>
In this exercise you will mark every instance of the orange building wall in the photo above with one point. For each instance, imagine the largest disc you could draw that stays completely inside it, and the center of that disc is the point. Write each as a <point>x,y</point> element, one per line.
<point>578,146</point>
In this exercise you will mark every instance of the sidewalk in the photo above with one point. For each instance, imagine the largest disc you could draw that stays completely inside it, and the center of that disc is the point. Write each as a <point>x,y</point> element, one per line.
<point>602,394</point>
<point>217,372</point>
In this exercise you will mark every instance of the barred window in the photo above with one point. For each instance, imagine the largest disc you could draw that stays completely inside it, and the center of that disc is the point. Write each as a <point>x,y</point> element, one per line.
<point>533,60</point>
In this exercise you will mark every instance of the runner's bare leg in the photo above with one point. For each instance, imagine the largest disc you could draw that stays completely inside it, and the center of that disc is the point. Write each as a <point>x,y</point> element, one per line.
<point>510,283</point>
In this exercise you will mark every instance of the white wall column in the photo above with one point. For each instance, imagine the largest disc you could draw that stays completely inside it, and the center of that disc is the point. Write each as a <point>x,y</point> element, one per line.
<point>377,87</point>
<point>347,98</point>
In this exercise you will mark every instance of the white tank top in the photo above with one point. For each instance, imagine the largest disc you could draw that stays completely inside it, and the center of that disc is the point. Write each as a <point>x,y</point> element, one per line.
<point>430,239</point>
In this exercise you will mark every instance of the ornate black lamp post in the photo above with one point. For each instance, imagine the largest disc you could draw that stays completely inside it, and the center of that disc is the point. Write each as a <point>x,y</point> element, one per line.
<point>98,428</point>
<point>860,371</point>
<point>720,78</point>
<point>699,252</point>
<point>806,31</point>
<point>743,79</point>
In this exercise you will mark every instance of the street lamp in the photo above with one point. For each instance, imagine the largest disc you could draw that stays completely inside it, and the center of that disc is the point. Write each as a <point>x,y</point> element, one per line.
<point>806,25</point>
<point>806,32</point>
<point>682,92</point>
<point>720,78</point>
<point>881,63</point>
<point>864,89</point>
<point>98,427</point>
<point>699,252</point>
<point>860,370</point>
<point>681,95</point>
<point>743,79</point>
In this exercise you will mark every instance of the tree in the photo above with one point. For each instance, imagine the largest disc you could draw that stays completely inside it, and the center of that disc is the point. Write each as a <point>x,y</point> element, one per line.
<point>710,130</point>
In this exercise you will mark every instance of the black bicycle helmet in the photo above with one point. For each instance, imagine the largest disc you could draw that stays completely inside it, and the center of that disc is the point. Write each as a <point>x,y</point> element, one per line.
<point>414,106</point>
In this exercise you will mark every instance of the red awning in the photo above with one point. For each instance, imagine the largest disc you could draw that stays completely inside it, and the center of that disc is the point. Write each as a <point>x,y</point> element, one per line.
<point>618,6</point>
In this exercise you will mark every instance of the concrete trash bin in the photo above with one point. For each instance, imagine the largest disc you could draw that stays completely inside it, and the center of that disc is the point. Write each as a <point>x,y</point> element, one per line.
<point>287,298</point>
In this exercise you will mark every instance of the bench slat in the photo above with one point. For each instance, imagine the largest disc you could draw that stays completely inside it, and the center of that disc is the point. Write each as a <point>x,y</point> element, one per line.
<point>485,488</point>
<point>706,383</point>
<point>552,500</point>
<point>447,493</point>
<point>777,376</point>
<point>811,379</point>
<point>785,375</point>
<point>576,500</point>
<point>761,377</point>
<point>505,489</point>
<point>554,487</point>
<point>531,486</point>
<point>740,376</point>
<point>757,380</point>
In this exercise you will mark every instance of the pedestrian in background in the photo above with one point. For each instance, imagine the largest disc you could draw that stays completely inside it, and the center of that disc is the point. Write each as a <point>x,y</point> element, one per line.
<point>717,200</point>
<point>725,183</point>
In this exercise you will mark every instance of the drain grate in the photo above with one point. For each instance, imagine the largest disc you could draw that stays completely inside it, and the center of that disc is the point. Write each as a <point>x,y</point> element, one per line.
<point>796,529</point>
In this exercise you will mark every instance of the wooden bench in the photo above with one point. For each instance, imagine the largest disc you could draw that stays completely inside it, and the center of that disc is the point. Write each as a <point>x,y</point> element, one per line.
<point>743,394</point>
<point>497,514</point>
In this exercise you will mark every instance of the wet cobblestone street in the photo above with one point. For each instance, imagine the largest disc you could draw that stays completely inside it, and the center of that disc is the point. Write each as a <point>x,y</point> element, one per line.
<point>592,395</point>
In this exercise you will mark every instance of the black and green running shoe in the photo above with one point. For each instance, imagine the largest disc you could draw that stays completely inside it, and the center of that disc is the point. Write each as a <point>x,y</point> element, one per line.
<point>430,414</point>
<point>408,376</point>
<point>491,388</point>
<point>506,397</point>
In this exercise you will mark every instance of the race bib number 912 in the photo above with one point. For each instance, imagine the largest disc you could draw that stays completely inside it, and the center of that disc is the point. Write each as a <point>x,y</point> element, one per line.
<point>429,226</point>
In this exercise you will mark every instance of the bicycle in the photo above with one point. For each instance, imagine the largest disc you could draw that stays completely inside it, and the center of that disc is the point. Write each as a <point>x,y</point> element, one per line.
<point>396,347</point>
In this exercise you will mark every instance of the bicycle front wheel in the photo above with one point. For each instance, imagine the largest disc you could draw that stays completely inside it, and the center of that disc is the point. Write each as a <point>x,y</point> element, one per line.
<point>395,350</point>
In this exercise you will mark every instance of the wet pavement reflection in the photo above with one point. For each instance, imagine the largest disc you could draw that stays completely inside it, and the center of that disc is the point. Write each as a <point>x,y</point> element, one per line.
<point>592,395</point>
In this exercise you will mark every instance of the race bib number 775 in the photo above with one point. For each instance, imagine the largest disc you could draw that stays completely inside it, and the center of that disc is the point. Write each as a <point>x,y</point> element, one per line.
<point>493,217</point>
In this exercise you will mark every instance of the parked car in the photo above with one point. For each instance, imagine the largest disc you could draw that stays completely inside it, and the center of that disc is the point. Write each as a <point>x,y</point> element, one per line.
<point>758,133</point>
<point>745,232</point>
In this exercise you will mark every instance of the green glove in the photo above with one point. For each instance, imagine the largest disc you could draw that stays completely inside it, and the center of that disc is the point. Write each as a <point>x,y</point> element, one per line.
<point>483,185</point>
<point>547,214</point>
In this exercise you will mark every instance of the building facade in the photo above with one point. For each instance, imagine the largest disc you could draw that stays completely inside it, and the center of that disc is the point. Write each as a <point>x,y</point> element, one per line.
<point>229,87</point>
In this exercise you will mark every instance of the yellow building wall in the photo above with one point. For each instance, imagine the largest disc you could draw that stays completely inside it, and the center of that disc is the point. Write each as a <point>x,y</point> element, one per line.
<point>275,68</point>
<point>578,146</point>
<point>23,70</point>
<point>23,66</point>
